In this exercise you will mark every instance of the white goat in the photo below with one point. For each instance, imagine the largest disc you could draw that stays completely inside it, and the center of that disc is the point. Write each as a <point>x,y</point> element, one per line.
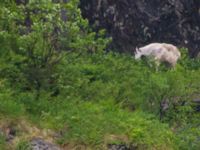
<point>160,52</point>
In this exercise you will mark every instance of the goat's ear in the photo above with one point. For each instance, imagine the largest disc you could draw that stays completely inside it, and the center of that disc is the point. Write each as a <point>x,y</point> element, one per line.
<point>138,50</point>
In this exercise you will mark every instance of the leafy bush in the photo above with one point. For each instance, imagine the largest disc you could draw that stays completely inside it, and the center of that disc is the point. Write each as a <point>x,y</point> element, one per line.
<point>8,105</point>
<point>189,137</point>
<point>34,37</point>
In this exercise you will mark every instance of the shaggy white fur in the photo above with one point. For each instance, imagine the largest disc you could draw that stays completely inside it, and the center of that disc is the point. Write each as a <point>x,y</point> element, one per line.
<point>160,52</point>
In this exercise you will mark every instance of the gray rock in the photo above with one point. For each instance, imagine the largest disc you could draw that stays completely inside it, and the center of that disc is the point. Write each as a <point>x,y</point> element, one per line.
<point>121,147</point>
<point>40,144</point>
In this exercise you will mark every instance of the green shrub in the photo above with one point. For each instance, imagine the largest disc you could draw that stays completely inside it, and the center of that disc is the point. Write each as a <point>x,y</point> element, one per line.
<point>34,37</point>
<point>8,103</point>
<point>188,137</point>
<point>9,107</point>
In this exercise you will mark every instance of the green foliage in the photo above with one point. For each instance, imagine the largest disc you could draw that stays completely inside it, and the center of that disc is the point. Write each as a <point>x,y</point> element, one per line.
<point>94,123</point>
<point>133,85</point>
<point>2,142</point>
<point>33,38</point>
<point>93,89</point>
<point>189,63</point>
<point>122,79</point>
<point>189,137</point>
<point>8,105</point>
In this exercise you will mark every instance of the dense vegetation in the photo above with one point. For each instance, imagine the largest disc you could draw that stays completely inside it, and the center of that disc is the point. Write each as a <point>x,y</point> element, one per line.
<point>55,75</point>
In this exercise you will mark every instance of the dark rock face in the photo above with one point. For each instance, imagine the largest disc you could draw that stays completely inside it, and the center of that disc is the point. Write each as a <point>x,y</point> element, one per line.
<point>139,22</point>
<point>120,147</point>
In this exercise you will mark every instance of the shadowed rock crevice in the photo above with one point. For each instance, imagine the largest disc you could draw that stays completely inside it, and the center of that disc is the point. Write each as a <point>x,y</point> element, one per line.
<point>139,22</point>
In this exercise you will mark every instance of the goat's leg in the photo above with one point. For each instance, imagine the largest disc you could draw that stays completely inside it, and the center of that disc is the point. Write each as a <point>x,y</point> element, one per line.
<point>157,64</point>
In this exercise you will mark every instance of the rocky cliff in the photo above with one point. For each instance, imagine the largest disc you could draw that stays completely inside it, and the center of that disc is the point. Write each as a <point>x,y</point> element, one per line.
<point>134,23</point>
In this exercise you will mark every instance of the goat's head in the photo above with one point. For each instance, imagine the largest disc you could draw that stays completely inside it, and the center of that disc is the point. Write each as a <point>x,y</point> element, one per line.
<point>138,53</point>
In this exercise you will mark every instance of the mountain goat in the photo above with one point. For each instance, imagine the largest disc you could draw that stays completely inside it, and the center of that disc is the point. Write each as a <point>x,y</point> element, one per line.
<point>160,52</point>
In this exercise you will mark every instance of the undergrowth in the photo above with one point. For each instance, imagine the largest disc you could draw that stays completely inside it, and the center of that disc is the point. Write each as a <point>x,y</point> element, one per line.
<point>105,95</point>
